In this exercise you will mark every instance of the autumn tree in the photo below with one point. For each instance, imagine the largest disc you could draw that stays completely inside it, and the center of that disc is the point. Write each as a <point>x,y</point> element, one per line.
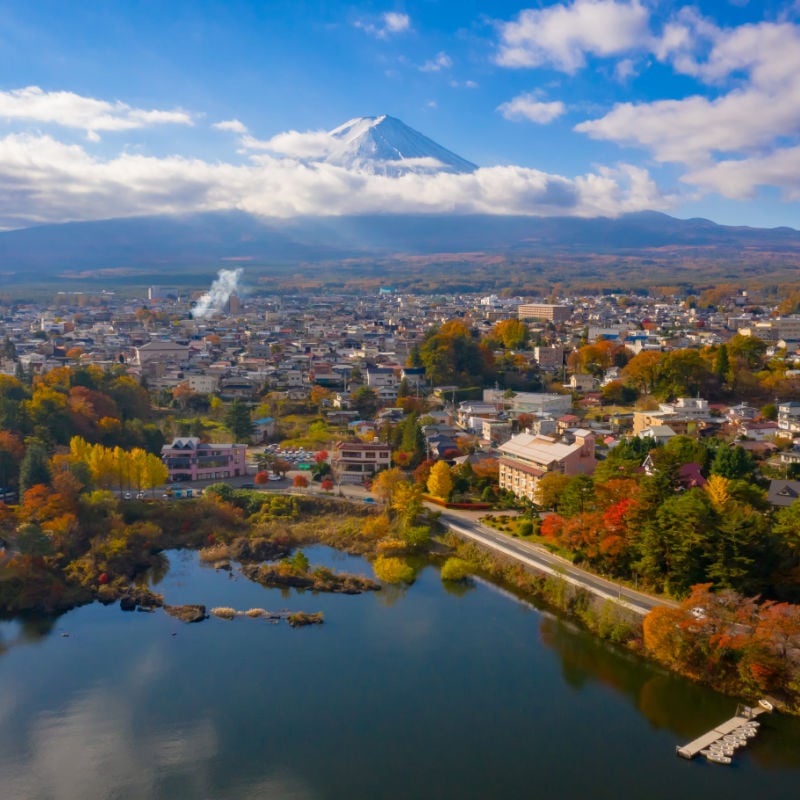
<point>643,370</point>
<point>512,334</point>
<point>386,482</point>
<point>440,481</point>
<point>451,354</point>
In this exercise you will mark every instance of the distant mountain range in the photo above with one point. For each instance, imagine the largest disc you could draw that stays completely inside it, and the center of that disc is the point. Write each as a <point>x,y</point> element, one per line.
<point>213,240</point>
<point>152,247</point>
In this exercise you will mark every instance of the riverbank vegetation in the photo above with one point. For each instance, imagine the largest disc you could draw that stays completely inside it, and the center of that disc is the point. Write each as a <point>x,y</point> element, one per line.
<point>69,542</point>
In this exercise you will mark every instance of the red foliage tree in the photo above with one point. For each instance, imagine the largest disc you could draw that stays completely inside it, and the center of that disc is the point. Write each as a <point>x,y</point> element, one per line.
<point>261,477</point>
<point>300,482</point>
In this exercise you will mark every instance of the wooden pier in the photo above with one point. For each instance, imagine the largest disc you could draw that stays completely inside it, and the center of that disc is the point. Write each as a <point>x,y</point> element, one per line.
<point>744,716</point>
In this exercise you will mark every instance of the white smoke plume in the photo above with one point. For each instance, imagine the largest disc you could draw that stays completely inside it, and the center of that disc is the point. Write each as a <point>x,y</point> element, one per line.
<point>213,301</point>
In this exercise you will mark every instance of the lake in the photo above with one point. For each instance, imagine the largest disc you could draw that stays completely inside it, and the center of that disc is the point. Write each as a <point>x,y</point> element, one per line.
<point>422,692</point>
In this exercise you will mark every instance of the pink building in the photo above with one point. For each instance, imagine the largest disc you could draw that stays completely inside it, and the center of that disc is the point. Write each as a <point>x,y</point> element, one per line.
<point>189,459</point>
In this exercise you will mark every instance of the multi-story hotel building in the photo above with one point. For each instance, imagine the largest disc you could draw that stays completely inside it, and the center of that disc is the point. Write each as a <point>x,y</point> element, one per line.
<point>526,459</point>
<point>544,311</point>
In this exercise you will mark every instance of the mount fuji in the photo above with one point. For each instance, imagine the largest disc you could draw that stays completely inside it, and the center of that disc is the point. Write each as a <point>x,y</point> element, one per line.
<point>386,146</point>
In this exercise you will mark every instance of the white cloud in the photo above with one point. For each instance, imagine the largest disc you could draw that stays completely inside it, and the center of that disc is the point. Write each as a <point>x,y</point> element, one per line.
<point>528,106</point>
<point>764,109</point>
<point>396,23</point>
<point>562,35</point>
<point>625,69</point>
<point>442,61</point>
<point>295,144</point>
<point>48,181</point>
<point>232,125</point>
<point>739,178</point>
<point>464,84</point>
<point>692,130</point>
<point>69,110</point>
<point>388,24</point>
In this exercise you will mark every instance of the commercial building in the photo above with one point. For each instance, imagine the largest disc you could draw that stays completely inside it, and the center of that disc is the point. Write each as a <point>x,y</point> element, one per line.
<point>355,462</point>
<point>544,311</point>
<point>189,459</point>
<point>526,459</point>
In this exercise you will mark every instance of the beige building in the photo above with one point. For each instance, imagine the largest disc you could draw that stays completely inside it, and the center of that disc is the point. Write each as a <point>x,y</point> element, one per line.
<point>525,459</point>
<point>355,462</point>
<point>545,311</point>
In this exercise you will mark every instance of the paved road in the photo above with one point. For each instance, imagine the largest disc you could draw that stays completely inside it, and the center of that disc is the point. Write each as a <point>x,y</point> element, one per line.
<point>466,524</point>
<point>543,560</point>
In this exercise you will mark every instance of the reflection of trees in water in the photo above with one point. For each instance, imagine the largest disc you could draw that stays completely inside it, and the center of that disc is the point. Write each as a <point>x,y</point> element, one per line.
<point>585,658</point>
<point>675,704</point>
<point>158,570</point>
<point>32,628</point>
<point>458,588</point>
<point>667,701</point>
<point>391,593</point>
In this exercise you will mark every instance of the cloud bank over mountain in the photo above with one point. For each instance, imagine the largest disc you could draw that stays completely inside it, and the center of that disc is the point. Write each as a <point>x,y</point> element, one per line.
<point>350,170</point>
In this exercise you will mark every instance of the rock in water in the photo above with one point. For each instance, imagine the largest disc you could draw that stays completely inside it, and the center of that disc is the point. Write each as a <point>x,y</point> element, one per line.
<point>187,613</point>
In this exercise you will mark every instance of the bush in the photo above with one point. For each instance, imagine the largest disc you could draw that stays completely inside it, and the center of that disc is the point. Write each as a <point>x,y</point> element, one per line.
<point>524,527</point>
<point>393,570</point>
<point>456,569</point>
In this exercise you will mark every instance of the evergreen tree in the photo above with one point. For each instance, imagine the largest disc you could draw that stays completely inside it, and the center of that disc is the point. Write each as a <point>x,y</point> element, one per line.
<point>365,401</point>
<point>237,420</point>
<point>414,358</point>
<point>34,468</point>
<point>732,462</point>
<point>722,363</point>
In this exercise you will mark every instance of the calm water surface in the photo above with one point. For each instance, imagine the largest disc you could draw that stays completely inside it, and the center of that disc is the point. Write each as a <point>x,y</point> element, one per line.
<point>418,693</point>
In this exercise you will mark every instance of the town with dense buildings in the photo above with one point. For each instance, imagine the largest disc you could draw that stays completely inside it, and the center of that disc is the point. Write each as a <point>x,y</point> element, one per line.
<point>543,407</point>
<point>651,439</point>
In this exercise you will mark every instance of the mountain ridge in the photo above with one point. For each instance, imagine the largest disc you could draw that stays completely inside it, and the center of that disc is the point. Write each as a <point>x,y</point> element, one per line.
<point>214,239</point>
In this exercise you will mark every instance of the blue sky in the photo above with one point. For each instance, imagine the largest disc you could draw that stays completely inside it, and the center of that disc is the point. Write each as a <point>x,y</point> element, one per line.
<point>120,108</point>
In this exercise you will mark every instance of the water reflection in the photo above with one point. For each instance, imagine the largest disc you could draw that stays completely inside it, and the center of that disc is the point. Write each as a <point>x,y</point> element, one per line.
<point>408,692</point>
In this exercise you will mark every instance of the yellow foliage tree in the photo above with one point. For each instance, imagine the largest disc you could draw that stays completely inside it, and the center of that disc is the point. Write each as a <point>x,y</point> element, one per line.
<point>440,481</point>
<point>386,482</point>
<point>407,500</point>
<point>718,490</point>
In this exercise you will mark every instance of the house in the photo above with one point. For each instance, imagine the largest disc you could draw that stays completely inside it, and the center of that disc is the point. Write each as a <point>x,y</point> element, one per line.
<point>582,383</point>
<point>414,376</point>
<point>686,416</point>
<point>189,459</point>
<point>263,428</point>
<point>761,431</point>
<point>525,459</point>
<point>471,414</point>
<point>355,462</point>
<point>789,417</point>
<point>783,493</point>
<point>660,434</point>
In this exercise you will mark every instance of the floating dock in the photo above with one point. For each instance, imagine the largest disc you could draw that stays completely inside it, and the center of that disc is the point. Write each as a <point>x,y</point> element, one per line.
<point>743,718</point>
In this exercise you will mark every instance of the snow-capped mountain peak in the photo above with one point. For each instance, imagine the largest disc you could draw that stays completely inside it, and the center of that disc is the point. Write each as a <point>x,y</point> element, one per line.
<point>386,146</point>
